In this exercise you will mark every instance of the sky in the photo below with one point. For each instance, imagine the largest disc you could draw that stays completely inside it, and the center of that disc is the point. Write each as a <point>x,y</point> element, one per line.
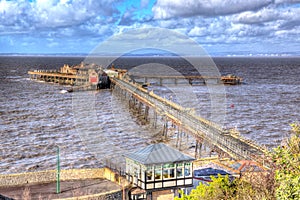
<point>221,27</point>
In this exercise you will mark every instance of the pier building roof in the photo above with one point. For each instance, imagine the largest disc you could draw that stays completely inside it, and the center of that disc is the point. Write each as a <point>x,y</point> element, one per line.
<point>158,154</point>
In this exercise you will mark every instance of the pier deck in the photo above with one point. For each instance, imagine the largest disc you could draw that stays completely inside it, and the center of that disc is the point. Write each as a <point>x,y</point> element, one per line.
<point>236,146</point>
<point>56,77</point>
<point>191,79</point>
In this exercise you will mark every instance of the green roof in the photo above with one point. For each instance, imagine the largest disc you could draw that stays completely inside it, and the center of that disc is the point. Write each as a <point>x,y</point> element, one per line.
<point>158,154</point>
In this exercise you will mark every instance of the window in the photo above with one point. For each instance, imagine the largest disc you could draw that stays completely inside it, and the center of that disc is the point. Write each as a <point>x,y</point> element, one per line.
<point>172,174</point>
<point>149,175</point>
<point>169,171</point>
<point>179,172</point>
<point>187,169</point>
<point>166,173</point>
<point>157,174</point>
<point>187,172</point>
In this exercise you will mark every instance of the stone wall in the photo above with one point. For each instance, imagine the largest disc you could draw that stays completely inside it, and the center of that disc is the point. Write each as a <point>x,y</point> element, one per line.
<point>78,174</point>
<point>27,178</point>
<point>8,180</point>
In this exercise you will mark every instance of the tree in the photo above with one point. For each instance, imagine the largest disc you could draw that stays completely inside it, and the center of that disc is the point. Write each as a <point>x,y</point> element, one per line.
<point>220,188</point>
<point>285,168</point>
<point>287,163</point>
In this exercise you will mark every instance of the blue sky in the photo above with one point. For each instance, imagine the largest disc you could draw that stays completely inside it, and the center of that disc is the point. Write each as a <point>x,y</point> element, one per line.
<point>221,27</point>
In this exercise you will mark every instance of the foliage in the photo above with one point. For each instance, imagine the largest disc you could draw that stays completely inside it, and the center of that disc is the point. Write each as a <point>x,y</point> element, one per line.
<point>220,188</point>
<point>287,161</point>
<point>285,169</point>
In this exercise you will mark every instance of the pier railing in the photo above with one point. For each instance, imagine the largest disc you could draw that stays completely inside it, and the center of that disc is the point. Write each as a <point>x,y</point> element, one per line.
<point>236,146</point>
<point>54,73</point>
<point>191,79</point>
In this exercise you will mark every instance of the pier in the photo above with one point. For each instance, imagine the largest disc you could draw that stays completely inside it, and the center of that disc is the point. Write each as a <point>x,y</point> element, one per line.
<point>57,77</point>
<point>88,76</point>
<point>81,77</point>
<point>190,79</point>
<point>221,140</point>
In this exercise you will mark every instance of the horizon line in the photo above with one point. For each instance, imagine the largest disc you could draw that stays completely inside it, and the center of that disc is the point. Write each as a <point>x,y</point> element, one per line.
<point>151,55</point>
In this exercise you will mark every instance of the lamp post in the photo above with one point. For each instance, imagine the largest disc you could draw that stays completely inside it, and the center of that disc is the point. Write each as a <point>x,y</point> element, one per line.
<point>58,173</point>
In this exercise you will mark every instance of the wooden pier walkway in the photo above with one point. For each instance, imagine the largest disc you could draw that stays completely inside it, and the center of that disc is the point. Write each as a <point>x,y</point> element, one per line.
<point>190,79</point>
<point>235,146</point>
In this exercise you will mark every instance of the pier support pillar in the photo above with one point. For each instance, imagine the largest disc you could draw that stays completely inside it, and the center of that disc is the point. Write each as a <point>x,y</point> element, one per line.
<point>165,129</point>
<point>155,120</point>
<point>198,149</point>
<point>178,139</point>
<point>140,105</point>
<point>146,114</point>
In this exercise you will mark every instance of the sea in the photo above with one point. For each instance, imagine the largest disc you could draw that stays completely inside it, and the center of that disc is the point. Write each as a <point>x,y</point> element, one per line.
<point>91,128</point>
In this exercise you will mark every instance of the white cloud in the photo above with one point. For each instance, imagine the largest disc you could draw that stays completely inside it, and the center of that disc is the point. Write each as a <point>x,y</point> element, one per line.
<point>269,14</point>
<point>210,22</point>
<point>285,33</point>
<point>165,9</point>
<point>286,1</point>
<point>263,15</point>
<point>252,28</point>
<point>52,13</point>
<point>197,31</point>
<point>277,18</point>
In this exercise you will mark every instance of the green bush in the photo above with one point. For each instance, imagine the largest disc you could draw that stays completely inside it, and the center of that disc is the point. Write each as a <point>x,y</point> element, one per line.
<point>287,161</point>
<point>285,169</point>
<point>222,188</point>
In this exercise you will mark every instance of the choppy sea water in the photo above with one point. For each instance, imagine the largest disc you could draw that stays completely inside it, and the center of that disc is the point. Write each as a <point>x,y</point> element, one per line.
<point>94,126</point>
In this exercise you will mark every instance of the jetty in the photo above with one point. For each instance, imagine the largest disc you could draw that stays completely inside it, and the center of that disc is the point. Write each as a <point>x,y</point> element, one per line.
<point>221,140</point>
<point>81,77</point>
<point>92,77</point>
<point>129,85</point>
<point>132,86</point>
<point>183,79</point>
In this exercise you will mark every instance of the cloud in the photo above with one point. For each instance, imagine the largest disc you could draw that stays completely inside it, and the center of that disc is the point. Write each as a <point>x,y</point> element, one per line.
<point>41,14</point>
<point>198,31</point>
<point>261,16</point>
<point>286,1</point>
<point>165,9</point>
<point>259,28</point>
<point>79,25</point>
<point>56,24</point>
<point>127,18</point>
<point>278,17</point>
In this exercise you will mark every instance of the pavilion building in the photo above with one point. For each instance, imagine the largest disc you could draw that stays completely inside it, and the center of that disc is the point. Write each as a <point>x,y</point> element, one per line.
<point>158,167</point>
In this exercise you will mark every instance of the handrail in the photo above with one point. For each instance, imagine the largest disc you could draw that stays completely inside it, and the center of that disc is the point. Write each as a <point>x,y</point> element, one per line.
<point>237,147</point>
